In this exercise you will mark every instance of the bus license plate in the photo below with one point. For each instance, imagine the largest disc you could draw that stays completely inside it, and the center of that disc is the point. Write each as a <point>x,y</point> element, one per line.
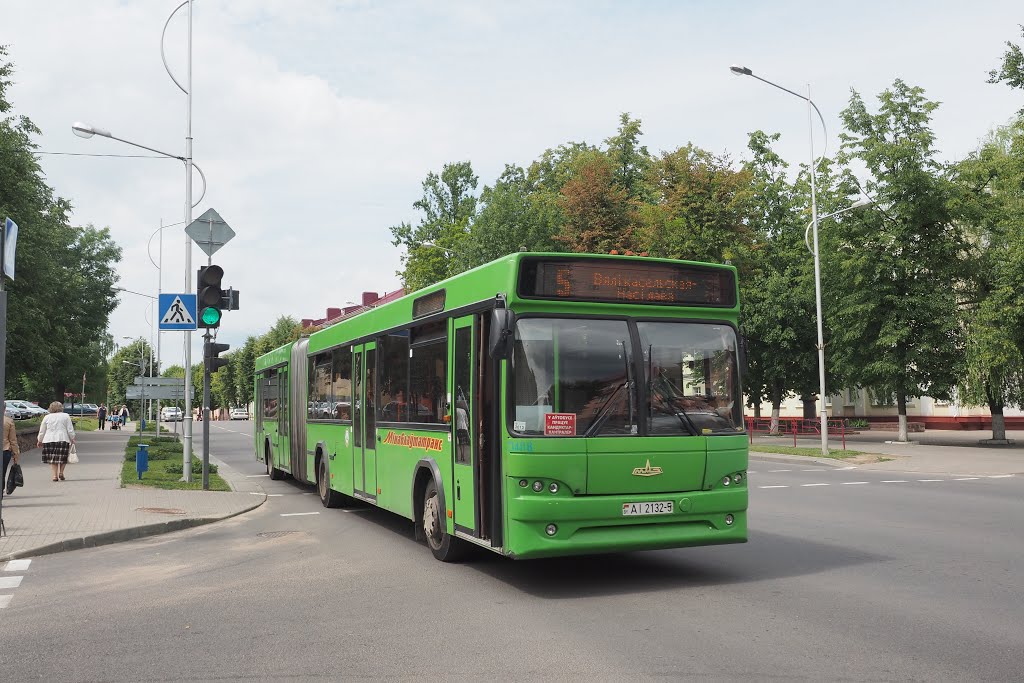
<point>661,507</point>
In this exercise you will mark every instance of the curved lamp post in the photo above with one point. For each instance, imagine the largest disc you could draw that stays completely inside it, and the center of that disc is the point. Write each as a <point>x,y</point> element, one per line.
<point>744,71</point>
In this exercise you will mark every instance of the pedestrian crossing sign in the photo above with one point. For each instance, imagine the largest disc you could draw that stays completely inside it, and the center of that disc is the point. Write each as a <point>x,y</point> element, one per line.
<point>177,312</point>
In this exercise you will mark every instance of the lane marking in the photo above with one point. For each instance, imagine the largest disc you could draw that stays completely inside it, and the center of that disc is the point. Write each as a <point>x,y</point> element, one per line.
<point>17,565</point>
<point>894,481</point>
<point>1000,476</point>
<point>253,476</point>
<point>814,484</point>
<point>780,470</point>
<point>851,483</point>
<point>5,600</point>
<point>817,470</point>
<point>298,514</point>
<point>773,487</point>
<point>966,479</point>
<point>849,467</point>
<point>931,480</point>
<point>10,581</point>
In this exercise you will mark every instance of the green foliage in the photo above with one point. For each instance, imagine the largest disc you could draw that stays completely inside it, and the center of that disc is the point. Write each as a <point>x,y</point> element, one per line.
<point>124,368</point>
<point>447,206</point>
<point>50,343</point>
<point>598,214</point>
<point>1011,71</point>
<point>197,467</point>
<point>701,210</point>
<point>991,202</point>
<point>894,311</point>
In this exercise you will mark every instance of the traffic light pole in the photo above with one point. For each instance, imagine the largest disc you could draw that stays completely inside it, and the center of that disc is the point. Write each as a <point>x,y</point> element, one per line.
<point>206,412</point>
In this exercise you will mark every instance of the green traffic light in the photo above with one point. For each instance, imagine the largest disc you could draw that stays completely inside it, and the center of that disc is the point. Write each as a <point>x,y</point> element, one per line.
<point>210,316</point>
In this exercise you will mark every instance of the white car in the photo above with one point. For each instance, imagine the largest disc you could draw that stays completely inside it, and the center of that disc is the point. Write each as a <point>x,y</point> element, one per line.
<point>239,414</point>
<point>30,407</point>
<point>170,414</point>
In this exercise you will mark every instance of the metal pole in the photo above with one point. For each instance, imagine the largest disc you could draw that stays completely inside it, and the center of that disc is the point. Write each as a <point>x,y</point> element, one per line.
<point>159,291</point>
<point>187,427</point>
<point>206,413</point>
<point>817,285</point>
<point>3,351</point>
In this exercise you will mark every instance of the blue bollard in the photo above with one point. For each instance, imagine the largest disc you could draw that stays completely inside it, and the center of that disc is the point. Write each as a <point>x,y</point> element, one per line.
<point>142,459</point>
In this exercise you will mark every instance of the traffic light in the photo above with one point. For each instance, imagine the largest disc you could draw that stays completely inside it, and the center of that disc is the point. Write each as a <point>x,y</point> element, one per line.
<point>210,296</point>
<point>211,351</point>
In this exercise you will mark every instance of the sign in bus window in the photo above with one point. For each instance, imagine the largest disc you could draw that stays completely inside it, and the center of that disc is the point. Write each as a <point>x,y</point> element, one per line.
<point>627,281</point>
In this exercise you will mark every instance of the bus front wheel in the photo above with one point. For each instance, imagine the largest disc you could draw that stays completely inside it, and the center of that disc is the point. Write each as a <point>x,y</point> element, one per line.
<point>444,546</point>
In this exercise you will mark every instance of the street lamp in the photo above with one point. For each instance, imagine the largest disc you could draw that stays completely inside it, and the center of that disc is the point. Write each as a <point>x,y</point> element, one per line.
<point>744,71</point>
<point>86,131</point>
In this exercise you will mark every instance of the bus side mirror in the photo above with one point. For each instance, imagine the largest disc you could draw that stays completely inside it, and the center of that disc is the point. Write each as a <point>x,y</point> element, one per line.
<point>503,323</point>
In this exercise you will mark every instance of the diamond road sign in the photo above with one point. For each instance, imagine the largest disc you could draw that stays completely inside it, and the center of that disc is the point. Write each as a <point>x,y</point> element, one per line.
<point>210,232</point>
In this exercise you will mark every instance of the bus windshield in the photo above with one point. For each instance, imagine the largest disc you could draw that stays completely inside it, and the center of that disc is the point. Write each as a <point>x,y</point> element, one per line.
<point>576,377</point>
<point>691,378</point>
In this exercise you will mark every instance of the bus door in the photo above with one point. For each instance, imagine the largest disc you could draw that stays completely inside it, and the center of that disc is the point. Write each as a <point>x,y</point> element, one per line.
<point>364,422</point>
<point>463,410</point>
<point>283,455</point>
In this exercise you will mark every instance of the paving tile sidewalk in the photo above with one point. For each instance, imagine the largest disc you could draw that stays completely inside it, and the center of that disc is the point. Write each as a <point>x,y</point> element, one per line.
<point>933,452</point>
<point>90,508</point>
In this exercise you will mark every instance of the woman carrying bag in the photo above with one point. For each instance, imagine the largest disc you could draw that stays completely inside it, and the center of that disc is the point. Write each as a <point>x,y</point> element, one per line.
<point>11,450</point>
<point>56,438</point>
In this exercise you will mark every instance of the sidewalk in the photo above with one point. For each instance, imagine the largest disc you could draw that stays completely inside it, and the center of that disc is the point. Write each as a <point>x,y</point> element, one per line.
<point>933,452</point>
<point>90,508</point>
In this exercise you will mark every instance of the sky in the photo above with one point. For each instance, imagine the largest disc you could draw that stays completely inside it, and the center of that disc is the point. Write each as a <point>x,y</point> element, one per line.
<point>316,122</point>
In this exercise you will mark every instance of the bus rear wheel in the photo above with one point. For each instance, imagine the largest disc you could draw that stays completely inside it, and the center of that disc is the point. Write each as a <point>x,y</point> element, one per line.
<point>328,496</point>
<point>271,470</point>
<point>443,546</point>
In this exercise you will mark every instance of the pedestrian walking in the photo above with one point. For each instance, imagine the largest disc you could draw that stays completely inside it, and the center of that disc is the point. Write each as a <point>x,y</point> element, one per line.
<point>11,450</point>
<point>123,414</point>
<point>56,435</point>
<point>101,415</point>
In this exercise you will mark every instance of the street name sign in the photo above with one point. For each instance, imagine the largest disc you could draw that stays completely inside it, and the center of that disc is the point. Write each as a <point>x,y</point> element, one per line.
<point>210,232</point>
<point>177,312</point>
<point>134,392</point>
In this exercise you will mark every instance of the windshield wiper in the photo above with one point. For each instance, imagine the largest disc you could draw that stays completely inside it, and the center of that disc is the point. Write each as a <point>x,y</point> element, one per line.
<point>671,406</point>
<point>604,411</point>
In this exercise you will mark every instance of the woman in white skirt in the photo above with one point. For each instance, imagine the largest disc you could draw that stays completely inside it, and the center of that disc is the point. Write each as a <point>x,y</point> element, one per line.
<point>56,434</point>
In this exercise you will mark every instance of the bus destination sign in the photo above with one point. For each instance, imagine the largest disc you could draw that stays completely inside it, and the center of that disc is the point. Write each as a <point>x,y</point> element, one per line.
<point>617,281</point>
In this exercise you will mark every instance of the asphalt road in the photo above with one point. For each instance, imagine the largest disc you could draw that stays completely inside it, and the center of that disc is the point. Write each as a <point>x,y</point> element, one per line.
<point>890,579</point>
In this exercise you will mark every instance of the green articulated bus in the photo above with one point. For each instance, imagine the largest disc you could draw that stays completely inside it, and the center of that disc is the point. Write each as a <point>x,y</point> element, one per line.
<point>538,405</point>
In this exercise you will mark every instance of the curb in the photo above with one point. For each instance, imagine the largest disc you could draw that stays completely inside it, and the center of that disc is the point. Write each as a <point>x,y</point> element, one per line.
<point>127,534</point>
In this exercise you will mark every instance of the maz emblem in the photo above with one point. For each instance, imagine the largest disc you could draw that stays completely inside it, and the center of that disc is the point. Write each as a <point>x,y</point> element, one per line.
<point>647,470</point>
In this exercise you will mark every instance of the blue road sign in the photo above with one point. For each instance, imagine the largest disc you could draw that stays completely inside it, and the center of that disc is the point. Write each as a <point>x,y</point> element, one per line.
<point>177,312</point>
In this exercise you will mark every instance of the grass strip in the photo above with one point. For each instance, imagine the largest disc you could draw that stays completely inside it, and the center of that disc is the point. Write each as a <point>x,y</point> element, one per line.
<point>808,452</point>
<point>165,454</point>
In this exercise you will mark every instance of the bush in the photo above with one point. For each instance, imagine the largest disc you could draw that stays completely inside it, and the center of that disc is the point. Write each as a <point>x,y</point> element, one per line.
<point>857,423</point>
<point>197,467</point>
<point>164,448</point>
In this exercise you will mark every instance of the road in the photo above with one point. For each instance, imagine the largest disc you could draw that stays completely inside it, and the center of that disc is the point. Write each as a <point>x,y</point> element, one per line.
<point>849,575</point>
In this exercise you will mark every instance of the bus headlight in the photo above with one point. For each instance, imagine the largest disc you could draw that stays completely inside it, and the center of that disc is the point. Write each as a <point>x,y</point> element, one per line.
<point>538,486</point>
<point>551,529</point>
<point>729,520</point>
<point>553,487</point>
<point>727,480</point>
<point>737,478</point>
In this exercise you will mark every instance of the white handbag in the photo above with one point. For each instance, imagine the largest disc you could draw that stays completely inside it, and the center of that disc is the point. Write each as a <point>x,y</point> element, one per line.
<point>73,454</point>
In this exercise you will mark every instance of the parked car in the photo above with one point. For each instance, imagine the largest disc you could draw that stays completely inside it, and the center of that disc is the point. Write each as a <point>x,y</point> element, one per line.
<point>171,414</point>
<point>239,414</point>
<point>16,411</point>
<point>80,409</point>
<point>34,409</point>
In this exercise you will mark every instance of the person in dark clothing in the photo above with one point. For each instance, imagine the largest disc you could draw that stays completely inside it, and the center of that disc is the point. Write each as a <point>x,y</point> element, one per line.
<point>102,416</point>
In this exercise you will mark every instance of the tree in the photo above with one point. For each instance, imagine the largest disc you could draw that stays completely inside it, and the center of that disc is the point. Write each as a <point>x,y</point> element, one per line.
<point>63,295</point>
<point>631,162</point>
<point>701,208</point>
<point>125,367</point>
<point>992,203</point>
<point>598,215</point>
<point>1011,71</point>
<point>514,214</point>
<point>448,205</point>
<point>895,327</point>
